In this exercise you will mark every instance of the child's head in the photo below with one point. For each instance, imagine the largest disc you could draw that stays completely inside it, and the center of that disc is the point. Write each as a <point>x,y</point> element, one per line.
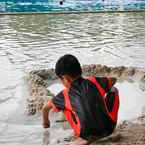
<point>68,69</point>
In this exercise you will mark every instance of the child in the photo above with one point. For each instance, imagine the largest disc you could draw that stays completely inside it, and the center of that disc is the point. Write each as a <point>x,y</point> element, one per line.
<point>90,105</point>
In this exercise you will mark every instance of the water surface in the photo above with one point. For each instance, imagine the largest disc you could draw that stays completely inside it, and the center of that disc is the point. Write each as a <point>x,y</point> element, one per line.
<point>29,42</point>
<point>59,6</point>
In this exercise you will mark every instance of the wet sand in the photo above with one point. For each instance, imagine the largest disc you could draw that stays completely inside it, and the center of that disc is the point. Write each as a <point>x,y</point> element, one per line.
<point>127,133</point>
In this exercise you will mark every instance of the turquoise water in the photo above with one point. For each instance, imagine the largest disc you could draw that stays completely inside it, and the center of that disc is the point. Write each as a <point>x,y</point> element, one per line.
<point>51,6</point>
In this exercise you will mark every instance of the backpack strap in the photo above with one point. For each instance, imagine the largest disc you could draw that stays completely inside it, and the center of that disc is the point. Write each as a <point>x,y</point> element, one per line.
<point>98,86</point>
<point>114,113</point>
<point>71,115</point>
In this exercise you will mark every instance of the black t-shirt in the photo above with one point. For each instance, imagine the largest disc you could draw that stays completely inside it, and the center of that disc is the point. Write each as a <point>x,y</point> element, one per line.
<point>89,106</point>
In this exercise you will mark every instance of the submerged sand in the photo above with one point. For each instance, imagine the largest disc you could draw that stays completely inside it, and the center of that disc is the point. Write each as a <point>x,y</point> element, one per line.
<point>130,129</point>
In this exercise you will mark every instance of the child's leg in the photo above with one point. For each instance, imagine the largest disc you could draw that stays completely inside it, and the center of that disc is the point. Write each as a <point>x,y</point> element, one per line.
<point>79,141</point>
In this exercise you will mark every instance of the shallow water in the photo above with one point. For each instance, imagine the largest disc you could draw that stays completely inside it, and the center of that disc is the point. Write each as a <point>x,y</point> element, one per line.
<point>30,42</point>
<point>36,41</point>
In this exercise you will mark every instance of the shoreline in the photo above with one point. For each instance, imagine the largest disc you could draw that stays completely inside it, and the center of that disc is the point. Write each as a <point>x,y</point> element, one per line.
<point>70,13</point>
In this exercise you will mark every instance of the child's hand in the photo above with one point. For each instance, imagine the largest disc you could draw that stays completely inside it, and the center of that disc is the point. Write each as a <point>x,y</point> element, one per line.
<point>46,124</point>
<point>45,115</point>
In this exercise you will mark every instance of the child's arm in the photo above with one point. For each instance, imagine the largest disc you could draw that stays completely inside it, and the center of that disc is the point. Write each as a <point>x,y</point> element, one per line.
<point>45,114</point>
<point>56,104</point>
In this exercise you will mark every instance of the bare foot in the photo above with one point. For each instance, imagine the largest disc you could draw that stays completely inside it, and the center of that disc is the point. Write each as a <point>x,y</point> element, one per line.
<point>79,141</point>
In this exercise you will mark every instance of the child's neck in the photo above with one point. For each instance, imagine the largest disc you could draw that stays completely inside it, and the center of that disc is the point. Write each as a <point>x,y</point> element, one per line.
<point>73,79</point>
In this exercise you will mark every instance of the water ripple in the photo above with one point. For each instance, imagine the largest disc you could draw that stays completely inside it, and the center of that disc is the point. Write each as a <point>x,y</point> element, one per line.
<point>37,41</point>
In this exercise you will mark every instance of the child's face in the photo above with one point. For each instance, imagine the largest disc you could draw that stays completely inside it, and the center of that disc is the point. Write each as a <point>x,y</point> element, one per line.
<point>66,81</point>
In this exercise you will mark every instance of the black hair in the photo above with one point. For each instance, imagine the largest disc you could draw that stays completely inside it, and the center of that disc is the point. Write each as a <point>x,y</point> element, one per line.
<point>68,65</point>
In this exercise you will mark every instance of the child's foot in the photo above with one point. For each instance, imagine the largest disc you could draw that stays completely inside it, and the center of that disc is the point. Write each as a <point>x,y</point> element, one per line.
<point>79,141</point>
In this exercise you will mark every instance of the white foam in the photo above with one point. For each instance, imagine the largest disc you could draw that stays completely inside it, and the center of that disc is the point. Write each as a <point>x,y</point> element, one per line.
<point>132,100</point>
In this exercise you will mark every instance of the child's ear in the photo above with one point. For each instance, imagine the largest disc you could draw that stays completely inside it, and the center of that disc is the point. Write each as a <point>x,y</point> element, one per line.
<point>68,79</point>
